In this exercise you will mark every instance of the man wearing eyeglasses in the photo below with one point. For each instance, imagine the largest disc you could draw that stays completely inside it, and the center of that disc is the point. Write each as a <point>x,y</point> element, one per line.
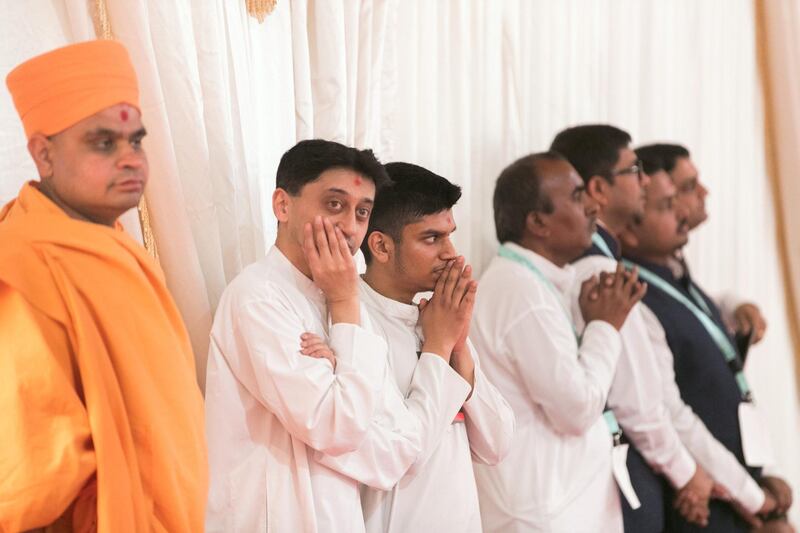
<point>717,450</point>
<point>614,178</point>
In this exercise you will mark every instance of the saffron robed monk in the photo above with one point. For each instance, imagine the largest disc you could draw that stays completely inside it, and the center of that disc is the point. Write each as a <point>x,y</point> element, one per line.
<point>102,425</point>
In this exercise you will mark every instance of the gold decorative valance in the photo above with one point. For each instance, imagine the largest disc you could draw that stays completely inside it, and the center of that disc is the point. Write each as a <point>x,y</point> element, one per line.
<point>260,8</point>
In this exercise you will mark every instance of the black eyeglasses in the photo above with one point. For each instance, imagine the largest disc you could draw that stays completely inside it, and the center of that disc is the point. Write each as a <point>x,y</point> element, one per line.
<point>635,168</point>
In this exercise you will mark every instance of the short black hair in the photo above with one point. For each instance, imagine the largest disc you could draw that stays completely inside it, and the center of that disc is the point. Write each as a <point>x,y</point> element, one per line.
<point>415,192</point>
<point>650,160</point>
<point>517,193</point>
<point>307,160</point>
<point>668,153</point>
<point>593,149</point>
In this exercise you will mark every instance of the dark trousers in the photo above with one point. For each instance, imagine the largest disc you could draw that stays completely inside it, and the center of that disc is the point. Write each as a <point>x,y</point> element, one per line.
<point>649,518</point>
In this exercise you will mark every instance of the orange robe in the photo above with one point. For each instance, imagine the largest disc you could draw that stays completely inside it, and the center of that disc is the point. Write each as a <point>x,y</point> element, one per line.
<point>101,419</point>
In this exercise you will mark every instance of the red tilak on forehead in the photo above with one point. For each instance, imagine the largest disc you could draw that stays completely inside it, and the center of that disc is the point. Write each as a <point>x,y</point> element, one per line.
<point>357,182</point>
<point>123,115</point>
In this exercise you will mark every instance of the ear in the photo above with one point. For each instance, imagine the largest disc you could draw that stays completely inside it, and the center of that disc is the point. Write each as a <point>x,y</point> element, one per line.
<point>381,246</point>
<point>41,150</point>
<point>598,188</point>
<point>537,224</point>
<point>628,238</point>
<point>281,204</point>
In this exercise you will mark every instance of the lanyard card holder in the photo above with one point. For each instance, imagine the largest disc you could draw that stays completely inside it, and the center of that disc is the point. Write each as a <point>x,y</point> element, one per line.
<point>756,444</point>
<point>619,461</point>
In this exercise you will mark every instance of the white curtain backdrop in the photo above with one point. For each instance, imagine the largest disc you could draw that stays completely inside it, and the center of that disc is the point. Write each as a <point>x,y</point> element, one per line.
<point>460,87</point>
<point>222,97</point>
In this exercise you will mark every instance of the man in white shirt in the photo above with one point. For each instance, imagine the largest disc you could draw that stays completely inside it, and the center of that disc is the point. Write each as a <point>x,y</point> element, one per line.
<point>733,481</point>
<point>291,437</point>
<point>601,154</point>
<point>408,251</point>
<point>557,476</point>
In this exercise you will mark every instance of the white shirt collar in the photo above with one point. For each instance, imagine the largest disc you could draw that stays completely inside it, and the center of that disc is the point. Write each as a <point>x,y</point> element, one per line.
<point>407,313</point>
<point>562,278</point>
<point>276,260</point>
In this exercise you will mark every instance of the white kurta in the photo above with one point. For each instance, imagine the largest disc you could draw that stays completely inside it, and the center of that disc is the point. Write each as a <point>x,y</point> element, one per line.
<point>439,494</point>
<point>712,455</point>
<point>273,415</point>
<point>557,476</point>
<point>635,395</point>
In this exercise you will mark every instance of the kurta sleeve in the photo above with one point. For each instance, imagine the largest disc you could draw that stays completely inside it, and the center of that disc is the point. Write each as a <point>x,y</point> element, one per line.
<point>330,410</point>
<point>712,455</point>
<point>637,400</point>
<point>728,302</point>
<point>569,382</point>
<point>47,456</point>
<point>407,431</point>
<point>490,420</point>
<point>635,395</point>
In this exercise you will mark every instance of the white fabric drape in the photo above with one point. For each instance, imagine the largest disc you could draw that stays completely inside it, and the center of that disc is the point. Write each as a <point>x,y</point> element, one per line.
<point>460,87</point>
<point>235,95</point>
<point>222,97</point>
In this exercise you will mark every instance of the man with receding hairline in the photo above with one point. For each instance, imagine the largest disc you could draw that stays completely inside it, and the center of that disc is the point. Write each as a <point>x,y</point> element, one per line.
<point>558,473</point>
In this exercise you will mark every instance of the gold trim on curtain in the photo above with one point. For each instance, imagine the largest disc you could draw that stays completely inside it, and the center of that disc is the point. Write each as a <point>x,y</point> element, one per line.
<point>260,8</point>
<point>769,76</point>
<point>102,29</point>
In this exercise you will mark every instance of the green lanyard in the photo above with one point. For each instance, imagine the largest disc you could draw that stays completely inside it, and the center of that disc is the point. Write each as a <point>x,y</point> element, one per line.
<point>698,299</point>
<point>704,316</point>
<point>600,243</point>
<point>508,253</point>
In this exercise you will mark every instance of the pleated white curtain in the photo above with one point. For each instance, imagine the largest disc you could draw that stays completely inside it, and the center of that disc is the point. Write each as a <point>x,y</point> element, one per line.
<point>235,96</point>
<point>222,97</point>
<point>460,87</point>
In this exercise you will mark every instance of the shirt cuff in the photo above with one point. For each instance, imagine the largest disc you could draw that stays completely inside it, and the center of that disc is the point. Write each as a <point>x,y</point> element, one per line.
<point>751,496</point>
<point>476,387</point>
<point>607,331</point>
<point>451,378</point>
<point>681,469</point>
<point>728,303</point>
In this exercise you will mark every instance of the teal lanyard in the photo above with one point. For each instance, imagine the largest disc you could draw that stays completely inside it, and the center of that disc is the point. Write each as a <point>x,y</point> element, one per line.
<point>698,299</point>
<point>600,243</point>
<point>703,315</point>
<point>508,253</point>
